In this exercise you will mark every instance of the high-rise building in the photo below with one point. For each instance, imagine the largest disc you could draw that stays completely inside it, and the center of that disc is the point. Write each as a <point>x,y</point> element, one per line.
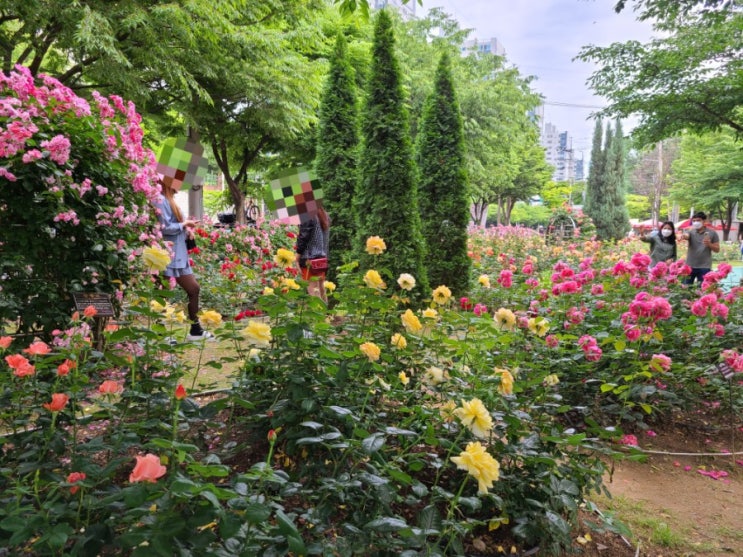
<point>558,150</point>
<point>407,11</point>
<point>488,46</point>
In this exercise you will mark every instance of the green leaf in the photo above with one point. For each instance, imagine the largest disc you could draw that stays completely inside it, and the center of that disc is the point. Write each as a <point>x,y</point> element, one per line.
<point>386,524</point>
<point>373,443</point>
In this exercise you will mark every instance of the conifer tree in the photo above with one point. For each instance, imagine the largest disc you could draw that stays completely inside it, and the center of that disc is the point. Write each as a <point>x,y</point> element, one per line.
<point>386,202</point>
<point>442,187</point>
<point>616,215</point>
<point>594,184</point>
<point>337,153</point>
<point>605,200</point>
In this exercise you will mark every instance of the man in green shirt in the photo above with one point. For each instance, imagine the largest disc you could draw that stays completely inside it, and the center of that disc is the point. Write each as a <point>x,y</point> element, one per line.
<point>702,242</point>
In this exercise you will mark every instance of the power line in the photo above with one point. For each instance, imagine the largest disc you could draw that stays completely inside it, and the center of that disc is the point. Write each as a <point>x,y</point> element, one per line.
<point>572,105</point>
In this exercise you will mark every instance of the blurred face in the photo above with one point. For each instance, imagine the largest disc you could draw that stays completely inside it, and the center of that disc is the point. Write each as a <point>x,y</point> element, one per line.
<point>666,231</point>
<point>696,224</point>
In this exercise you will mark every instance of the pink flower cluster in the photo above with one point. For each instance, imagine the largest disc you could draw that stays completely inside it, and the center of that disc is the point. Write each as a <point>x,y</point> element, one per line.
<point>591,350</point>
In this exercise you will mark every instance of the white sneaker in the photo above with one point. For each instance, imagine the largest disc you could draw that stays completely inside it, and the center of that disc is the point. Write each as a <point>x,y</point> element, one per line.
<point>205,335</point>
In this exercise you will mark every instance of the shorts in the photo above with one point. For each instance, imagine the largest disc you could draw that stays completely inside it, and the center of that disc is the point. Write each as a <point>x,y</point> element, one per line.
<point>307,276</point>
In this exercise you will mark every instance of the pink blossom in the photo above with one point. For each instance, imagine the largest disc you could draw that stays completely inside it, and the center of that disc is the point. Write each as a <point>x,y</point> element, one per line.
<point>480,309</point>
<point>552,341</point>
<point>632,333</point>
<point>575,315</point>
<point>506,278</point>
<point>641,260</point>
<point>628,439</point>
<point>718,329</point>
<point>660,362</point>
<point>651,433</point>
<point>593,354</point>
<point>528,268</point>
<point>31,156</point>
<point>59,148</point>
<point>597,289</point>
<point>720,310</point>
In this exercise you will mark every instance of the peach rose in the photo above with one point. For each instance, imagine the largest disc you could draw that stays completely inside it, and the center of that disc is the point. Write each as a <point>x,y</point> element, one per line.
<point>59,401</point>
<point>147,469</point>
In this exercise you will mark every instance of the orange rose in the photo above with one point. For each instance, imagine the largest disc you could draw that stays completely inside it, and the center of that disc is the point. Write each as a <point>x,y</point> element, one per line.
<point>5,342</point>
<point>59,400</point>
<point>38,349</point>
<point>109,387</point>
<point>75,477</point>
<point>20,365</point>
<point>90,311</point>
<point>147,469</point>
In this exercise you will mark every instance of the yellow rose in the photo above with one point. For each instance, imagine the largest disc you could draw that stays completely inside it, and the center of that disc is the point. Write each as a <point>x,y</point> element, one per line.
<point>551,380</point>
<point>480,465</point>
<point>430,313</point>
<point>399,341</point>
<point>441,295</point>
<point>155,259</point>
<point>210,318</point>
<point>257,333</point>
<point>373,280</point>
<point>157,307</point>
<point>411,322</point>
<point>267,291</point>
<point>506,381</point>
<point>484,281</point>
<point>505,319</point>
<point>289,284</point>
<point>406,281</point>
<point>475,417</point>
<point>375,245</point>
<point>329,286</point>
<point>403,378</point>
<point>371,351</point>
<point>539,326</point>
<point>284,258</point>
<point>435,375</point>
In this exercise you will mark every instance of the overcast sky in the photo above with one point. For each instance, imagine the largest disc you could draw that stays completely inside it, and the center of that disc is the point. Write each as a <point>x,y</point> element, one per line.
<point>541,37</point>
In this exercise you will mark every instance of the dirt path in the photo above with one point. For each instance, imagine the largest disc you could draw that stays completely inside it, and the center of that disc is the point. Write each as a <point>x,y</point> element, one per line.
<point>679,505</point>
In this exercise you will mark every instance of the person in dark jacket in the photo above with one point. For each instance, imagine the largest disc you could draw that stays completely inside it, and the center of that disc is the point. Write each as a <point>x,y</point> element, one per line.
<point>312,244</point>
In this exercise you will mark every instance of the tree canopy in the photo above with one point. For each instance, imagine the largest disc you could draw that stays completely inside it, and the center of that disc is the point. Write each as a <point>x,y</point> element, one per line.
<point>689,78</point>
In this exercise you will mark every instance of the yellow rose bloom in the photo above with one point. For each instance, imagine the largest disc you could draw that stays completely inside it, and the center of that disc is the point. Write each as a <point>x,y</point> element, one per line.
<point>406,281</point>
<point>373,280</point>
<point>435,375</point>
<point>267,291</point>
<point>480,465</point>
<point>210,318</point>
<point>158,307</point>
<point>506,381</point>
<point>430,313</point>
<point>411,322</point>
<point>330,286</point>
<point>505,319</point>
<point>551,380</point>
<point>399,341</point>
<point>484,281</point>
<point>257,333</point>
<point>375,245</point>
<point>371,351</point>
<point>441,295</point>
<point>539,326</point>
<point>475,417</point>
<point>155,259</point>
<point>289,284</point>
<point>284,258</point>
<point>403,378</point>
<point>447,411</point>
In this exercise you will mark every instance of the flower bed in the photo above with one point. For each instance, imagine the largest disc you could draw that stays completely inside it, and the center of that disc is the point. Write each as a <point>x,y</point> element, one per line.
<point>375,424</point>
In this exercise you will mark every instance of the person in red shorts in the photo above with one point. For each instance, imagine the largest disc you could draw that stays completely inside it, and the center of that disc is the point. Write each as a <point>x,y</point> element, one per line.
<point>312,246</point>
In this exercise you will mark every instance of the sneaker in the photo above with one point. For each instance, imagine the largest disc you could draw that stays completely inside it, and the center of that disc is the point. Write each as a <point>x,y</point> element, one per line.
<point>205,335</point>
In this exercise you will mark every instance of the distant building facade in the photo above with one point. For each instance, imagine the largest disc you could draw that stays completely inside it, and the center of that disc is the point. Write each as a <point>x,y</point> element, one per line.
<point>558,150</point>
<point>487,46</point>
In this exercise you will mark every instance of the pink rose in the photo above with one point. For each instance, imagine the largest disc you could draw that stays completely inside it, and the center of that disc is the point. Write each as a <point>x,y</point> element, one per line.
<point>147,469</point>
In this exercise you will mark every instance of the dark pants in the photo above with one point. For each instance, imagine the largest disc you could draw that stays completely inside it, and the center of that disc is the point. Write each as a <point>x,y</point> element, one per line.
<point>697,274</point>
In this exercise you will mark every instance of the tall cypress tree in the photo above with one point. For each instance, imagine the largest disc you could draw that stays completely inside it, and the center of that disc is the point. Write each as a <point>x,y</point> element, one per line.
<point>337,153</point>
<point>386,202</point>
<point>616,215</point>
<point>444,199</point>
<point>594,185</point>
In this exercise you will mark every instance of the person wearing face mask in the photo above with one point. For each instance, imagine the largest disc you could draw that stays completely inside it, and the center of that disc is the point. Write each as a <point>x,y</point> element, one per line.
<point>663,245</point>
<point>702,242</point>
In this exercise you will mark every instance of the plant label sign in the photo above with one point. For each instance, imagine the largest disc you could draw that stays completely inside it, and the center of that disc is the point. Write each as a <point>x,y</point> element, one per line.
<point>101,302</point>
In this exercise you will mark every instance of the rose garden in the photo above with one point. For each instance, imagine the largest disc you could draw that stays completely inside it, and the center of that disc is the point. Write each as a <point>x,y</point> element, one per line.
<point>405,417</point>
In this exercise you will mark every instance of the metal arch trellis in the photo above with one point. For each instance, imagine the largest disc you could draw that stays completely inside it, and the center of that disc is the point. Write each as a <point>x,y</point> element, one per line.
<point>562,227</point>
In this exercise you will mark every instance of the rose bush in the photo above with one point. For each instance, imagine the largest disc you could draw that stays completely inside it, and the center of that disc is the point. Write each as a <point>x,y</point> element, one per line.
<point>76,181</point>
